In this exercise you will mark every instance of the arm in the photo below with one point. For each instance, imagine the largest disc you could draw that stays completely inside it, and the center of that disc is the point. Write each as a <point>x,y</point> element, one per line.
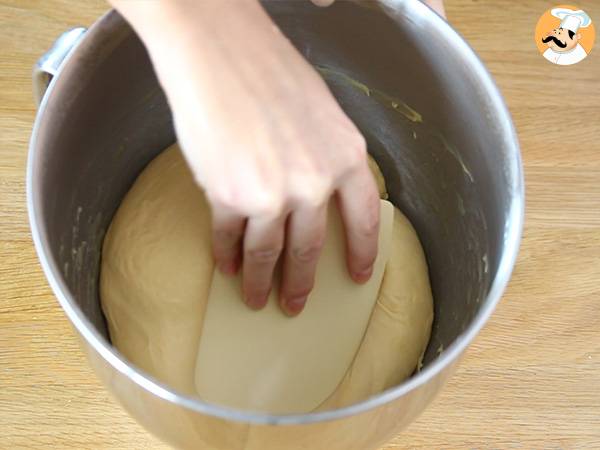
<point>265,138</point>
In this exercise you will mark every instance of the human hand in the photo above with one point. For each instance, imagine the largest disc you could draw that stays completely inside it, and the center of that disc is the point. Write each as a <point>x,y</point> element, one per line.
<point>266,139</point>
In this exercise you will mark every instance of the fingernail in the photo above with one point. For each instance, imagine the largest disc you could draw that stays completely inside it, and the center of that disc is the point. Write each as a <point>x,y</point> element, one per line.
<point>295,305</point>
<point>363,276</point>
<point>256,302</point>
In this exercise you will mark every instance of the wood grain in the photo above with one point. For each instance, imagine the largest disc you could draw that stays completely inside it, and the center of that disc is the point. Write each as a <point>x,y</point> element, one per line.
<point>530,380</point>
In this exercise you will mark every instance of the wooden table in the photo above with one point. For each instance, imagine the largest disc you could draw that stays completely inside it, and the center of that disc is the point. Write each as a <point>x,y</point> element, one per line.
<point>530,380</point>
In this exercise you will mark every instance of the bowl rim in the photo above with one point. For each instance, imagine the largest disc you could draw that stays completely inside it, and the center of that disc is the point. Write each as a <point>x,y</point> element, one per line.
<point>513,228</point>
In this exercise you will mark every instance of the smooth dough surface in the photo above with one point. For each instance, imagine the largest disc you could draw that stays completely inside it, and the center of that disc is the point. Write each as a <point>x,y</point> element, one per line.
<point>156,274</point>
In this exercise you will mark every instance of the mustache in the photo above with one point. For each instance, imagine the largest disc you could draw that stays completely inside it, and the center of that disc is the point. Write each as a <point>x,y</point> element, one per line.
<point>556,41</point>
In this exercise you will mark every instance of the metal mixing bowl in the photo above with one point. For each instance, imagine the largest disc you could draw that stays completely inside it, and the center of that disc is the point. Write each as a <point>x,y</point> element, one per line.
<point>434,121</point>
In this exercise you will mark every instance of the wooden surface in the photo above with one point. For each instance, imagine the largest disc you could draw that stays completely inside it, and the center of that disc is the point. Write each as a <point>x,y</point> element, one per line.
<point>530,380</point>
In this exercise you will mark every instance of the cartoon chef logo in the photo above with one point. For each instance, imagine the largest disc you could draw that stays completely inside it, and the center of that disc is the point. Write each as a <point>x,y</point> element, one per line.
<point>565,35</point>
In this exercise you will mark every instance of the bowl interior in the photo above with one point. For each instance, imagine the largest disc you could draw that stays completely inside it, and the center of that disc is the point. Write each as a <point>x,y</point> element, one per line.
<point>429,122</point>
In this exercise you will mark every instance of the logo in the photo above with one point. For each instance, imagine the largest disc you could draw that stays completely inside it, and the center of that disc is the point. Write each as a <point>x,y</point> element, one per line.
<point>565,35</point>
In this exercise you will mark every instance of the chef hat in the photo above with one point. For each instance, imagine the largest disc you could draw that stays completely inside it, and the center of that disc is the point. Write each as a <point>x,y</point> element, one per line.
<point>572,20</point>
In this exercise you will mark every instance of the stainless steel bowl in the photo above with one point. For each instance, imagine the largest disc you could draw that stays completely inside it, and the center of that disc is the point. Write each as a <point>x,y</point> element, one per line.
<point>434,121</point>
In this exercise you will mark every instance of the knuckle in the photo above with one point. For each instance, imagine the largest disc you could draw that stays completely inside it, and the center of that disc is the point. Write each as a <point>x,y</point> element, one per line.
<point>357,150</point>
<point>263,255</point>
<point>269,206</point>
<point>310,188</point>
<point>248,200</point>
<point>369,227</point>
<point>354,162</point>
<point>265,198</point>
<point>313,195</point>
<point>222,195</point>
<point>308,253</point>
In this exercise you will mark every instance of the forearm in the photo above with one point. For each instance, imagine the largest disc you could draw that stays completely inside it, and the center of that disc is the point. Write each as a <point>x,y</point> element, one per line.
<point>217,40</point>
<point>207,26</point>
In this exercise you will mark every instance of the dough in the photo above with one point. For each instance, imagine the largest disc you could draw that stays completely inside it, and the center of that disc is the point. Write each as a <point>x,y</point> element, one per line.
<point>378,176</point>
<point>156,271</point>
<point>266,361</point>
<point>156,274</point>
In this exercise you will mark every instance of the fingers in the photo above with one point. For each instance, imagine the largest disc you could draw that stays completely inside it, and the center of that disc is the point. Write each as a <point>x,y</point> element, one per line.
<point>263,243</point>
<point>359,206</point>
<point>228,229</point>
<point>306,230</point>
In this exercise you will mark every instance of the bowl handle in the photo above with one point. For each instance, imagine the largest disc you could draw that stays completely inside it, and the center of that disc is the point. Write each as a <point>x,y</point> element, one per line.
<point>49,64</point>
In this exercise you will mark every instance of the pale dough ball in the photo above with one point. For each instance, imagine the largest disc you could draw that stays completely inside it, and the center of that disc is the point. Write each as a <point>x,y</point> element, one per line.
<point>156,273</point>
